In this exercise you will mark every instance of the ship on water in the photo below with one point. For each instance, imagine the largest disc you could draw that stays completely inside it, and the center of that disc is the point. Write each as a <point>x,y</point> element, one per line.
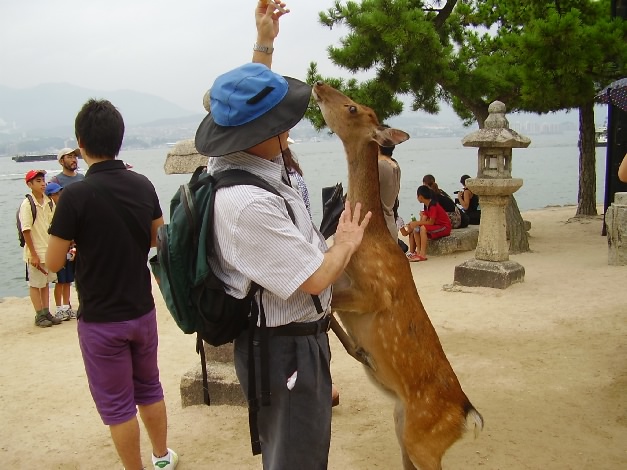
<point>35,158</point>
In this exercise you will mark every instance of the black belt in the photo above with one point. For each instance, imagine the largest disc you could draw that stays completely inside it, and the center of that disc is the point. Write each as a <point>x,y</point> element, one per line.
<point>302,329</point>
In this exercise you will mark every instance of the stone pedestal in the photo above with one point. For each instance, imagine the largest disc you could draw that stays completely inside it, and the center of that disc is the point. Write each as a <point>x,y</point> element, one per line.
<point>224,388</point>
<point>616,222</point>
<point>497,274</point>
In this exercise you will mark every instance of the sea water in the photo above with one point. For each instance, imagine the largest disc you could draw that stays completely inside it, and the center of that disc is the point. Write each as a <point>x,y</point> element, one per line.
<point>549,168</point>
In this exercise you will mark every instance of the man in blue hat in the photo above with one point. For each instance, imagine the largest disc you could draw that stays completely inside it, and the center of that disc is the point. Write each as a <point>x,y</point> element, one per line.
<point>252,110</point>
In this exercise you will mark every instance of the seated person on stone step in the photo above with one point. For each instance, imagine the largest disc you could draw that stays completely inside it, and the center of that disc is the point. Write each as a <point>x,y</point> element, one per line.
<point>434,223</point>
<point>444,200</point>
<point>469,202</point>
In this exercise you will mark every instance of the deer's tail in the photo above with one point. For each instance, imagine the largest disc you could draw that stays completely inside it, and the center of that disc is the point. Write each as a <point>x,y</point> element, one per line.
<point>474,420</point>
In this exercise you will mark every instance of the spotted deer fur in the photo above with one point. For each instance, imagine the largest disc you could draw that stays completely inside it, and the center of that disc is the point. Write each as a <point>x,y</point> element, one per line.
<point>379,306</point>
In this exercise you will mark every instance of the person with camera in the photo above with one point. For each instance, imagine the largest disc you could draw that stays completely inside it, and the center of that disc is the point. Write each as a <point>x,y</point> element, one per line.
<point>469,202</point>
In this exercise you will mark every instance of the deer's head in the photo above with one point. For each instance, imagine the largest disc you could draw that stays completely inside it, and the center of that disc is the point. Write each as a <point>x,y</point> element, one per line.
<point>352,122</point>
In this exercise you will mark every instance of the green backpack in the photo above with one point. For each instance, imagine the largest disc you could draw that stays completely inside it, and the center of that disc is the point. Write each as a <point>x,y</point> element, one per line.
<point>194,295</point>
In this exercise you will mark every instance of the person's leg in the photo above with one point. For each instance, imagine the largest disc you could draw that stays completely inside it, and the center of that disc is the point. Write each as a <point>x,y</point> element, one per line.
<point>125,437</point>
<point>66,293</point>
<point>45,297</point>
<point>58,295</point>
<point>35,298</point>
<point>412,242</point>
<point>155,420</point>
<point>148,391</point>
<point>422,241</point>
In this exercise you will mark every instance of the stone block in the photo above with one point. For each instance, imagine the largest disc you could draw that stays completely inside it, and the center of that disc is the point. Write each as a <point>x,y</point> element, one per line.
<point>460,239</point>
<point>183,158</point>
<point>222,353</point>
<point>616,222</point>
<point>495,274</point>
<point>224,388</point>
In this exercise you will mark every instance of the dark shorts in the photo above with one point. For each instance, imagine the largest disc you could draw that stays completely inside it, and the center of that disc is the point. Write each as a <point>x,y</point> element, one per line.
<point>121,364</point>
<point>437,231</point>
<point>66,273</point>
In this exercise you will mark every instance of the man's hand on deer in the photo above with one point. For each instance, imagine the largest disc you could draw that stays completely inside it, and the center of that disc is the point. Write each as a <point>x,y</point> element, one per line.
<point>350,230</point>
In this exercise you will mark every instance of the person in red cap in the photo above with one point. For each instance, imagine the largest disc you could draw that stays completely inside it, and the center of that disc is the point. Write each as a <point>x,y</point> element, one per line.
<point>35,231</point>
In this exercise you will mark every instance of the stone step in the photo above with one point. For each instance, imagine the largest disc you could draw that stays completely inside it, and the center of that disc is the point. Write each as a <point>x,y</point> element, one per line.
<point>460,239</point>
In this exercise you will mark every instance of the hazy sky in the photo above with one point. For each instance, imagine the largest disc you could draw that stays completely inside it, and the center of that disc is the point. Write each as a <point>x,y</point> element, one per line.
<point>173,49</point>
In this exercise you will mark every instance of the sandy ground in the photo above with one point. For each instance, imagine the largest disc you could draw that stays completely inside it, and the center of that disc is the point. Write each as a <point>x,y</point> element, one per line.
<point>544,361</point>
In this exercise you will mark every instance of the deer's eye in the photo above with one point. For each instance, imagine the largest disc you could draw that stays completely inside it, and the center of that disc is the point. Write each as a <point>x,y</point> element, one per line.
<point>352,109</point>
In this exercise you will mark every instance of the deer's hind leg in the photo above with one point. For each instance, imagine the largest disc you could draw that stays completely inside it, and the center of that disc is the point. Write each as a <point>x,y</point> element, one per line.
<point>399,425</point>
<point>423,442</point>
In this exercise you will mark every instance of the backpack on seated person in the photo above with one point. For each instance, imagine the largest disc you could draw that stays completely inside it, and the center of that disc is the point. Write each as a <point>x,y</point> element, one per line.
<point>194,295</point>
<point>33,209</point>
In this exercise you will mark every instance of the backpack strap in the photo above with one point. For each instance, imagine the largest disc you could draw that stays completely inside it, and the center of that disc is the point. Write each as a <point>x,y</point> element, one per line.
<point>33,207</point>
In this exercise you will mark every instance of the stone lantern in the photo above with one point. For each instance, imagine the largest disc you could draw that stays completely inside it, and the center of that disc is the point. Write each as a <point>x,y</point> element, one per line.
<point>494,185</point>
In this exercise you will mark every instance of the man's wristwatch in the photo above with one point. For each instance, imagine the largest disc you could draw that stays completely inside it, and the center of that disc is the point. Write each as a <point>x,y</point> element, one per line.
<point>260,48</point>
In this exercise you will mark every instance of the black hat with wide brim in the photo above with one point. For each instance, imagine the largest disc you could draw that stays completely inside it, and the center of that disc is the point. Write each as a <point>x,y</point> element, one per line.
<point>271,115</point>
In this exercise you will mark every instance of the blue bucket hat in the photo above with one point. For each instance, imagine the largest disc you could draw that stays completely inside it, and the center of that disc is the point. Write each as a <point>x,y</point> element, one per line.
<point>52,188</point>
<point>249,105</point>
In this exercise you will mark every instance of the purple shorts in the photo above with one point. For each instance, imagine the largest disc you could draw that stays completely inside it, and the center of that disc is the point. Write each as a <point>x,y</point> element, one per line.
<point>121,365</point>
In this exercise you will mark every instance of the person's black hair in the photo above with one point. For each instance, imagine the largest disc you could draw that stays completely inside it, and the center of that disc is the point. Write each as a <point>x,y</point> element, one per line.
<point>99,128</point>
<point>463,179</point>
<point>387,151</point>
<point>424,191</point>
<point>290,162</point>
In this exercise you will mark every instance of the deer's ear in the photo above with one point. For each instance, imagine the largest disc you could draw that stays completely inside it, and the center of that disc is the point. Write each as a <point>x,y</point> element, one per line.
<point>386,137</point>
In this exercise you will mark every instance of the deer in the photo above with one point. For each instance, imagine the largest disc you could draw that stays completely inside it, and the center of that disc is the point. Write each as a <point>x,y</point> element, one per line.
<point>385,325</point>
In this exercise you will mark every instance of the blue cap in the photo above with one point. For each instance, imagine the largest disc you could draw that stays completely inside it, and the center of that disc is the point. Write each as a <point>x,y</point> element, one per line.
<point>52,188</point>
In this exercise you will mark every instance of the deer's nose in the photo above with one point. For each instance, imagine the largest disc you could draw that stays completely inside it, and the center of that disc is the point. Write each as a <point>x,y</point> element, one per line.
<point>319,82</point>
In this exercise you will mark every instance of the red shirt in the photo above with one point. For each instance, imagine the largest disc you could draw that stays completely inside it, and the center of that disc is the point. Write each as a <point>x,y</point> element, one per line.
<point>437,213</point>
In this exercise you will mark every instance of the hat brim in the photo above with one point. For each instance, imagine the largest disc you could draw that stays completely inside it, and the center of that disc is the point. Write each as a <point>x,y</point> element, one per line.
<point>214,140</point>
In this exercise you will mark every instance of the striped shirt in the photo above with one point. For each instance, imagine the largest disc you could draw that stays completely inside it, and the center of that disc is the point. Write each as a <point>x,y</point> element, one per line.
<point>257,241</point>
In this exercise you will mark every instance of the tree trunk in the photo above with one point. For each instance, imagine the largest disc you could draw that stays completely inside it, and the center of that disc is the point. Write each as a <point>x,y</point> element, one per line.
<point>587,195</point>
<point>515,226</point>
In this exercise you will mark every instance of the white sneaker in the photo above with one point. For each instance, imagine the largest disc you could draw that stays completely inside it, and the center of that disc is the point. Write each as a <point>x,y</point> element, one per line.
<point>168,462</point>
<point>71,314</point>
<point>62,315</point>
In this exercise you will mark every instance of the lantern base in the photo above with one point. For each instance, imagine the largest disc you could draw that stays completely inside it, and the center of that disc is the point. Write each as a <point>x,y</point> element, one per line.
<point>496,274</point>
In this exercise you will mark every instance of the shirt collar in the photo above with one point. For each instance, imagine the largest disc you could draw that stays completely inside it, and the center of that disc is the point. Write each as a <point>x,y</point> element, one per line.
<point>105,165</point>
<point>269,170</point>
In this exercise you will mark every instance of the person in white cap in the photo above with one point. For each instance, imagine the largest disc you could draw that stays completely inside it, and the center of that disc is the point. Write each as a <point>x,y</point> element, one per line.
<point>68,159</point>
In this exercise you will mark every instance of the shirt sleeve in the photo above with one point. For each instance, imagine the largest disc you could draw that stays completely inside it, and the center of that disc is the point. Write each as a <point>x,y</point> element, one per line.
<point>26,215</point>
